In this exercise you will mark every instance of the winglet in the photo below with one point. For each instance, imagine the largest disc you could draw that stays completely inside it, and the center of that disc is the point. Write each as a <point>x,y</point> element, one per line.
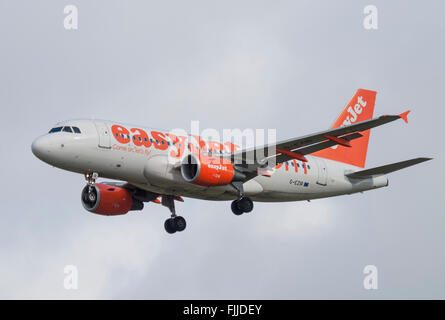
<point>404,115</point>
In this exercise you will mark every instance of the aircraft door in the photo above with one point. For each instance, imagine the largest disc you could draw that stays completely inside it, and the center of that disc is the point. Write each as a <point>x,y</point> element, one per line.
<point>104,134</point>
<point>322,172</point>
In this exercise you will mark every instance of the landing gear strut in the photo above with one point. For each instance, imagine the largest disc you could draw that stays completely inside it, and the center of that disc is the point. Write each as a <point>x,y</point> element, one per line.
<point>174,223</point>
<point>91,181</point>
<point>242,204</point>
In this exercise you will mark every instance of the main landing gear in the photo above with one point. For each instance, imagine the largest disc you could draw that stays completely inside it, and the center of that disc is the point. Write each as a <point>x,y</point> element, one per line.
<point>175,223</point>
<point>242,204</point>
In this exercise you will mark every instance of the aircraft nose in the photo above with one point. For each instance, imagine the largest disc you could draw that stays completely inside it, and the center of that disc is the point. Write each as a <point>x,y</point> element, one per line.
<point>40,147</point>
<point>37,147</point>
<point>52,149</point>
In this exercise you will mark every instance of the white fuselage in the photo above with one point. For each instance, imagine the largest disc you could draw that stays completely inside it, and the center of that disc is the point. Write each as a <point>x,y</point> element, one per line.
<point>153,165</point>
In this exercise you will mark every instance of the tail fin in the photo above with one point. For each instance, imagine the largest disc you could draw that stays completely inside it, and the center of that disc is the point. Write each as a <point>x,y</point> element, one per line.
<point>360,108</point>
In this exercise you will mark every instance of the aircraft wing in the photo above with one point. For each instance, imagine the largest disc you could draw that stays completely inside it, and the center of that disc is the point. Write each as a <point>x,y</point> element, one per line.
<point>119,184</point>
<point>138,193</point>
<point>141,194</point>
<point>297,148</point>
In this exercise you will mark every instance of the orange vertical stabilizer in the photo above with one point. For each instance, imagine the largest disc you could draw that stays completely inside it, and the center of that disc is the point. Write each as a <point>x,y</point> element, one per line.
<point>360,108</point>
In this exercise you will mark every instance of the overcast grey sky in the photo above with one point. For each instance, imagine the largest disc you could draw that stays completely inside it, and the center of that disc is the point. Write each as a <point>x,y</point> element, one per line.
<point>289,65</point>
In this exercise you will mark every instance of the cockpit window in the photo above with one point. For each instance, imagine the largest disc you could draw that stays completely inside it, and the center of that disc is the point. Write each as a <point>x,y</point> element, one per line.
<point>56,129</point>
<point>65,129</point>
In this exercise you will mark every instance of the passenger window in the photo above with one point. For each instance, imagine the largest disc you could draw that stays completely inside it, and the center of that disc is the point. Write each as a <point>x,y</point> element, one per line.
<point>67,129</point>
<point>76,129</point>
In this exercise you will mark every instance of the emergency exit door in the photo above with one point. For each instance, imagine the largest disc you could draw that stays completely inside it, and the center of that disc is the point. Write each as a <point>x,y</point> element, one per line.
<point>322,172</point>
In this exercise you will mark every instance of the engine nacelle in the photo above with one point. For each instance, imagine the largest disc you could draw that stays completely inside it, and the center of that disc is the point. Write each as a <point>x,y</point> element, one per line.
<point>109,200</point>
<point>208,171</point>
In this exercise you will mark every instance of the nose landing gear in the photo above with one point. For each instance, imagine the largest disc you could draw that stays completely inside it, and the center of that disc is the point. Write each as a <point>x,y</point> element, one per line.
<point>91,181</point>
<point>89,193</point>
<point>91,178</point>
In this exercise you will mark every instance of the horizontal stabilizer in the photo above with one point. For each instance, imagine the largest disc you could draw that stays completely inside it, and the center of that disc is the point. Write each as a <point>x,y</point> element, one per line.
<point>386,168</point>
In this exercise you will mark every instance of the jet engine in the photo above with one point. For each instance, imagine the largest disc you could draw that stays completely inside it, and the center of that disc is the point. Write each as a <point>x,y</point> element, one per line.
<point>208,171</point>
<point>109,200</point>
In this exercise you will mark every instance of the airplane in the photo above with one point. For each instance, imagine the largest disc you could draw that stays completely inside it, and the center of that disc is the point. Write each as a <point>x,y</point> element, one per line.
<point>160,167</point>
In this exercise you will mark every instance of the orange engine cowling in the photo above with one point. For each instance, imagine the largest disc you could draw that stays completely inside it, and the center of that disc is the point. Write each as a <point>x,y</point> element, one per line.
<point>109,200</point>
<point>207,171</point>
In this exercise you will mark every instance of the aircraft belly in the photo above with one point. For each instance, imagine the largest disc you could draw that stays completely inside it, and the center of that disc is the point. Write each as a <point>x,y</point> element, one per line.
<point>282,185</point>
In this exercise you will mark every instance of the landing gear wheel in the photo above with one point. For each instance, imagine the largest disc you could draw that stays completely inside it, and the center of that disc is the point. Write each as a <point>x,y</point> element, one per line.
<point>245,204</point>
<point>92,196</point>
<point>174,224</point>
<point>235,208</point>
<point>179,223</point>
<point>242,205</point>
<point>169,225</point>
